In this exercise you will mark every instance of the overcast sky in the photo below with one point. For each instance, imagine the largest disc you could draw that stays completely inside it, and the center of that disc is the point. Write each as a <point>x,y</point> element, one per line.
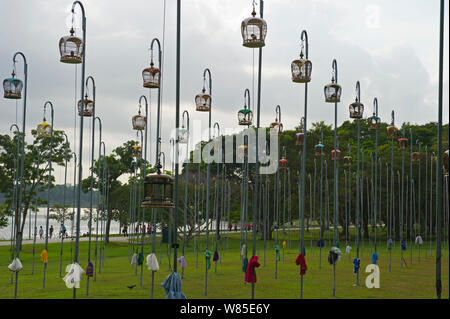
<point>391,47</point>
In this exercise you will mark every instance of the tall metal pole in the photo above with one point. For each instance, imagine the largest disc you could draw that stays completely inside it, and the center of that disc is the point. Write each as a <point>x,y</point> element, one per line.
<point>411,198</point>
<point>158,149</point>
<point>80,153</point>
<point>208,173</point>
<point>18,234</point>
<point>35,205</point>
<point>439,156</point>
<point>304,38</point>
<point>256,187</point>
<point>177,125</point>
<point>358,203</point>
<point>186,180</point>
<point>48,185</point>
<point>216,204</point>
<point>74,199</point>
<point>335,182</point>
<point>64,206</point>
<point>142,97</point>
<point>98,177</point>
<point>91,198</point>
<point>375,199</point>
<point>392,189</point>
<point>402,202</point>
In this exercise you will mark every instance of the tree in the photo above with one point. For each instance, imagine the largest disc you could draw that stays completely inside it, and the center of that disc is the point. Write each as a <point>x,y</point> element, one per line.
<point>34,178</point>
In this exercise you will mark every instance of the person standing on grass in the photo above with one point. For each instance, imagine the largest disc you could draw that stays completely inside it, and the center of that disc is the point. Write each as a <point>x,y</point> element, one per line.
<point>51,231</point>
<point>125,230</point>
<point>41,233</point>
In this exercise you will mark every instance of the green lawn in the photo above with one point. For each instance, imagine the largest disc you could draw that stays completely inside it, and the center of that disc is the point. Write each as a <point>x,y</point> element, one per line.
<point>414,281</point>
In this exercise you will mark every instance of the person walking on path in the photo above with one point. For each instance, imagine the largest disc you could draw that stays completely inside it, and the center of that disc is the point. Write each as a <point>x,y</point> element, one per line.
<point>41,233</point>
<point>51,231</point>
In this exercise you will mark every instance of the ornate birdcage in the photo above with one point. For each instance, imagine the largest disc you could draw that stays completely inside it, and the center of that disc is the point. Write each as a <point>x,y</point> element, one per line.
<point>276,128</point>
<point>137,151</point>
<point>71,48</point>
<point>300,139</point>
<point>301,70</point>
<point>88,107</point>
<point>335,155</point>
<point>183,135</point>
<point>203,102</point>
<point>254,30</point>
<point>403,144</point>
<point>158,190</point>
<point>319,149</point>
<point>138,121</point>
<point>151,77</point>
<point>44,129</point>
<point>332,92</point>
<point>415,157</point>
<point>242,151</point>
<point>245,117</point>
<point>356,109</point>
<point>445,159</point>
<point>348,161</point>
<point>12,87</point>
<point>373,122</point>
<point>391,132</point>
<point>283,163</point>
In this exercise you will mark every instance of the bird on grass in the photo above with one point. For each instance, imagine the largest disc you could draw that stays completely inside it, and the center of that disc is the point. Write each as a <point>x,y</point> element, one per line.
<point>131,287</point>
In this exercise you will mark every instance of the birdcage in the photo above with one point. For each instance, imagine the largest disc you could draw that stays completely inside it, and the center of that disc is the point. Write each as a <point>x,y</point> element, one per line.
<point>319,149</point>
<point>253,30</point>
<point>348,161</point>
<point>403,144</point>
<point>415,157</point>
<point>183,135</point>
<point>203,102</point>
<point>88,107</point>
<point>300,139</point>
<point>276,128</point>
<point>151,77</point>
<point>71,49</point>
<point>356,109</point>
<point>12,88</point>
<point>138,121</point>
<point>391,132</point>
<point>245,117</point>
<point>158,191</point>
<point>332,92</point>
<point>373,122</point>
<point>283,163</point>
<point>301,70</point>
<point>242,151</point>
<point>137,151</point>
<point>44,130</point>
<point>445,159</point>
<point>335,155</point>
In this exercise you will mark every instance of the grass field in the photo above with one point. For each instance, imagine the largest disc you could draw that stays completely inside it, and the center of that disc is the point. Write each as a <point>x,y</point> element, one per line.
<point>414,281</point>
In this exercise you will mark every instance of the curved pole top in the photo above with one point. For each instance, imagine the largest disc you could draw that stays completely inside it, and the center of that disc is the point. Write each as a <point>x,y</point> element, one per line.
<point>145,99</point>
<point>99,121</point>
<point>22,55</point>
<point>278,112</point>
<point>187,118</point>
<point>51,106</point>
<point>218,128</point>
<point>151,50</point>
<point>93,85</point>
<point>375,105</point>
<point>67,139</point>
<point>17,128</point>
<point>335,70</point>
<point>358,91</point>
<point>104,147</point>
<point>207,71</point>
<point>247,99</point>
<point>304,37</point>
<point>81,6</point>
